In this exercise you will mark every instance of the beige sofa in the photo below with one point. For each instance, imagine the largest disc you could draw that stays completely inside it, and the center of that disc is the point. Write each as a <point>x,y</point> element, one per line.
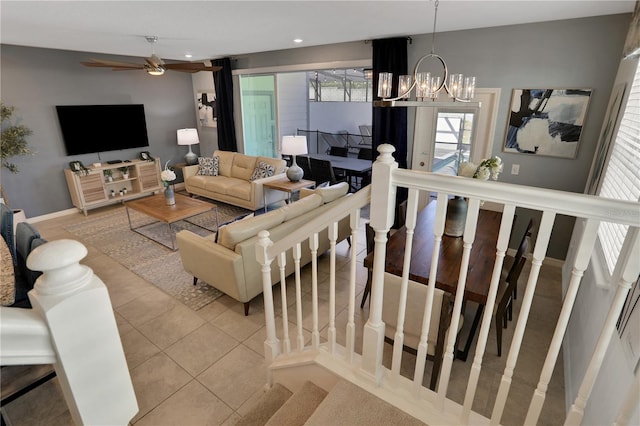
<point>232,185</point>
<point>230,265</point>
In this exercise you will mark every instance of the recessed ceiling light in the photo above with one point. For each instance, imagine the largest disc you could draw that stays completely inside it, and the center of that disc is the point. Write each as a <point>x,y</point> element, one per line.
<point>297,40</point>
<point>188,55</point>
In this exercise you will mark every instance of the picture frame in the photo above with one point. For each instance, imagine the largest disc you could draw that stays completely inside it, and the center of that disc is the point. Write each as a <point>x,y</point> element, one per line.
<point>546,122</point>
<point>206,107</point>
<point>607,133</point>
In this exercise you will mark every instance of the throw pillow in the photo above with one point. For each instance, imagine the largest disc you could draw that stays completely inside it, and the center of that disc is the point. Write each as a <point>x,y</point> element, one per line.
<point>263,170</point>
<point>208,166</point>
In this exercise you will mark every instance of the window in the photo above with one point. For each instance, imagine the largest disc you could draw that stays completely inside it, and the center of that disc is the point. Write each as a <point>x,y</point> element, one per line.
<point>454,133</point>
<point>339,85</point>
<point>621,178</point>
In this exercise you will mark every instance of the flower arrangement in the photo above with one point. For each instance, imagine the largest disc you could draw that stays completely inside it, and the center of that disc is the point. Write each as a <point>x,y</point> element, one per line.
<point>488,168</point>
<point>167,175</point>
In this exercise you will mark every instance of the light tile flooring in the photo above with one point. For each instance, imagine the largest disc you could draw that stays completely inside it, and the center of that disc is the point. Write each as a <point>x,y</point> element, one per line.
<point>207,367</point>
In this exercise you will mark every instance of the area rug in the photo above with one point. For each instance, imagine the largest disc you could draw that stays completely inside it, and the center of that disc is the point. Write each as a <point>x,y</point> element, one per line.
<point>151,260</point>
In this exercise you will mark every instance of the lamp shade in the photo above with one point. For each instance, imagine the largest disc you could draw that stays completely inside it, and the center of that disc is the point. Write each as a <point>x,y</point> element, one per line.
<point>294,145</point>
<point>188,137</point>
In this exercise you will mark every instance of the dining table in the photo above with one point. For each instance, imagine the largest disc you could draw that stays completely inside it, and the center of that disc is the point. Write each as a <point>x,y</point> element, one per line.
<point>352,166</point>
<point>481,261</point>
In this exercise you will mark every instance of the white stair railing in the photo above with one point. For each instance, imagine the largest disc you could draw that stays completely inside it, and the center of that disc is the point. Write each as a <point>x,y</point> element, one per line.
<point>367,368</point>
<point>72,326</point>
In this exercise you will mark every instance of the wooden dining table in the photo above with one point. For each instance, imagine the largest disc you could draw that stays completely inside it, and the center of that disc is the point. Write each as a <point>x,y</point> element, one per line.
<point>481,260</point>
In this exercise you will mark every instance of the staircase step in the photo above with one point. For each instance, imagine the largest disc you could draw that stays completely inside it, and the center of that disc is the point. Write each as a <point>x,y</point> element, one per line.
<point>266,407</point>
<point>349,405</point>
<point>299,407</point>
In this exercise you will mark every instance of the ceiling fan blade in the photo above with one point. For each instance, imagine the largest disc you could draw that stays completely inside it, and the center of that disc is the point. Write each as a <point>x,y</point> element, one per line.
<point>112,64</point>
<point>191,67</point>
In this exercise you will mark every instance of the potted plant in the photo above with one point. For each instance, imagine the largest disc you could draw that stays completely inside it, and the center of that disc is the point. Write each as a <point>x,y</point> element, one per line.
<point>125,172</point>
<point>108,173</point>
<point>13,142</point>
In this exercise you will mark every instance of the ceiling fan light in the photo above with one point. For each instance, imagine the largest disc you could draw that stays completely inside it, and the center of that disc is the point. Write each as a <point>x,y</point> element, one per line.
<point>155,71</point>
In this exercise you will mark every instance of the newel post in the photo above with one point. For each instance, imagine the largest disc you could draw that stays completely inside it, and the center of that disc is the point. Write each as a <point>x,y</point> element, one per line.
<point>383,200</point>
<point>90,362</point>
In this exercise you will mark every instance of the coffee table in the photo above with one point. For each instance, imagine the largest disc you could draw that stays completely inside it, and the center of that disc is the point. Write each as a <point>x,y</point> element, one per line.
<point>184,208</point>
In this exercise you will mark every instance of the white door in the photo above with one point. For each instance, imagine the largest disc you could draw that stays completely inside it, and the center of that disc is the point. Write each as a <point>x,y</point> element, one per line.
<point>443,137</point>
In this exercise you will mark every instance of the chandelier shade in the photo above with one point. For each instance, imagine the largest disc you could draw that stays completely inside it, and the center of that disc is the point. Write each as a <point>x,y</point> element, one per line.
<point>425,85</point>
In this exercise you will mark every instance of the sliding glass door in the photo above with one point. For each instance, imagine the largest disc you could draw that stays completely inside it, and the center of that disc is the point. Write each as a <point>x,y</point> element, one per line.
<point>258,97</point>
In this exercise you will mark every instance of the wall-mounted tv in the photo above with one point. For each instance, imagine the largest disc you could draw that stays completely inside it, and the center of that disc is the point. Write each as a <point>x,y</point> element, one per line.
<point>98,128</point>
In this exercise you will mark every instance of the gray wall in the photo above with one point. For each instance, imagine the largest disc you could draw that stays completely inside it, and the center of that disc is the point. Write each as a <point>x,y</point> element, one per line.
<point>588,315</point>
<point>578,53</point>
<point>558,54</point>
<point>36,80</point>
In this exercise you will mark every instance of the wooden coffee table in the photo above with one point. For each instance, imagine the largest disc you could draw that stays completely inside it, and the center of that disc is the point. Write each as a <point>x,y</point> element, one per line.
<point>184,208</point>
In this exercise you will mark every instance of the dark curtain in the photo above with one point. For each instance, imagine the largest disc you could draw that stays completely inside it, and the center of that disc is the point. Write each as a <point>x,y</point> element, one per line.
<point>224,105</point>
<point>390,124</point>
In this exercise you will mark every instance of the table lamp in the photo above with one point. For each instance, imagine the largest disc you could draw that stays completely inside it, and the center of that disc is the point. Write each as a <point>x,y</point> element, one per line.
<point>189,137</point>
<point>294,145</point>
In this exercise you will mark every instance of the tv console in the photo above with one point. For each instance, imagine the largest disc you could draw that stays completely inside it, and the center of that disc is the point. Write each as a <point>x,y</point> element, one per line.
<point>107,184</point>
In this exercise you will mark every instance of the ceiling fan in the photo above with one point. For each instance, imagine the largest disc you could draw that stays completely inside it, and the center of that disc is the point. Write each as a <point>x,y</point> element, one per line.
<point>153,65</point>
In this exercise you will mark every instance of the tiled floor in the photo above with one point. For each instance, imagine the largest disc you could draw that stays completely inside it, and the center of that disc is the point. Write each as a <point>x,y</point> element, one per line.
<point>207,367</point>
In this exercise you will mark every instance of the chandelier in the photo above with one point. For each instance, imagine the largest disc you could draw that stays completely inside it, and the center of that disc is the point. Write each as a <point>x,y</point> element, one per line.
<point>428,87</point>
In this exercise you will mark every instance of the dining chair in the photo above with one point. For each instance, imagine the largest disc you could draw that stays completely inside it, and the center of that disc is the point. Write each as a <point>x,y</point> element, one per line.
<point>503,310</point>
<point>339,151</point>
<point>322,171</point>
<point>365,177</point>
<point>414,311</point>
<point>365,154</point>
<point>303,163</point>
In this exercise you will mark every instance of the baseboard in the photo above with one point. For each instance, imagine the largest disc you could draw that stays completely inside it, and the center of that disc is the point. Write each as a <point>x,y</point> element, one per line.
<point>53,215</point>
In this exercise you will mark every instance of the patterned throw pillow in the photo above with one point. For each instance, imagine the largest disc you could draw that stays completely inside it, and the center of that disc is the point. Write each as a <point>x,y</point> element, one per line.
<point>208,166</point>
<point>262,170</point>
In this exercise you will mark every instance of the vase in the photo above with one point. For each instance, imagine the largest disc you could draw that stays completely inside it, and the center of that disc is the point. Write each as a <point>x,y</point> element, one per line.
<point>456,217</point>
<point>169,196</point>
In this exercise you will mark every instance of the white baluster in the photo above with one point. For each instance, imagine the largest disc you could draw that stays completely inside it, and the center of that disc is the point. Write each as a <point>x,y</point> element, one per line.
<point>539,252</point>
<point>628,268</point>
<point>582,258</point>
<point>468,237</point>
<point>315,333</point>
<point>297,251</point>
<point>331,331</point>
<point>271,344</point>
<point>398,342</point>
<point>438,230</point>
<point>76,307</point>
<point>282,264</point>
<point>502,245</point>
<point>351,328</point>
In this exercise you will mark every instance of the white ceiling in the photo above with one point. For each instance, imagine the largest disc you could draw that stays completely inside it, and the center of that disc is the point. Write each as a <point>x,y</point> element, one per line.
<point>212,29</point>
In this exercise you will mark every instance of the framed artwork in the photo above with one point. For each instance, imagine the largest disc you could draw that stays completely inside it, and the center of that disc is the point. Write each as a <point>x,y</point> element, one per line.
<point>546,122</point>
<point>207,116</point>
<point>606,135</point>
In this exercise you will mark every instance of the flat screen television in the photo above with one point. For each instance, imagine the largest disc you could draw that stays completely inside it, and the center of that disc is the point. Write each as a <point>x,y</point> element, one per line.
<point>98,128</point>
